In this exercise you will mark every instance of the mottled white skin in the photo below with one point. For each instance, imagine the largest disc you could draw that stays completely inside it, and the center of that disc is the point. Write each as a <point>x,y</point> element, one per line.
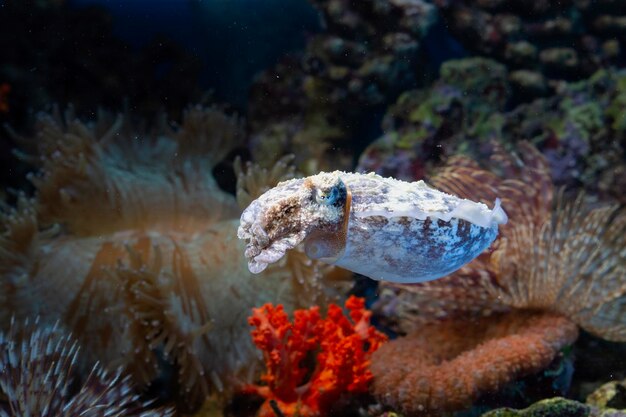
<point>383,228</point>
<point>407,250</point>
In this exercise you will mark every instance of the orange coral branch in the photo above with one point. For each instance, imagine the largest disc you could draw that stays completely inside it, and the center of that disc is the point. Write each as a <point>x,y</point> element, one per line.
<point>342,348</point>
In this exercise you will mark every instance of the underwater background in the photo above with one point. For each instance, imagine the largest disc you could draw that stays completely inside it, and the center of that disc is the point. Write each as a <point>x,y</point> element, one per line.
<point>135,133</point>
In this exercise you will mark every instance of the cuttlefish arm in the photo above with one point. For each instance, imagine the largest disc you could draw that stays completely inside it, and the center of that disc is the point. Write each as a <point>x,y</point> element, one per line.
<point>379,227</point>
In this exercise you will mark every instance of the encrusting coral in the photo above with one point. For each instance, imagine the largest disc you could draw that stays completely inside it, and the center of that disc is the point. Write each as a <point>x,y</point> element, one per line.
<point>553,407</point>
<point>342,348</point>
<point>508,313</point>
<point>605,401</point>
<point>38,374</point>
<point>136,241</point>
<point>445,365</point>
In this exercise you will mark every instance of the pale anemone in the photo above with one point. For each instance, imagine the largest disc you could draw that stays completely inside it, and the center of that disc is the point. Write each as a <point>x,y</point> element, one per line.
<point>131,245</point>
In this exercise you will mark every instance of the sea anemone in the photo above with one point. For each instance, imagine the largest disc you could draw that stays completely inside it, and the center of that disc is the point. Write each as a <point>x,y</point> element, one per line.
<point>551,270</point>
<point>131,245</point>
<point>39,377</point>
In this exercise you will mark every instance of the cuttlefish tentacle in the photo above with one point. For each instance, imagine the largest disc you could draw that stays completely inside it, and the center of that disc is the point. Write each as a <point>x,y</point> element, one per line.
<point>379,227</point>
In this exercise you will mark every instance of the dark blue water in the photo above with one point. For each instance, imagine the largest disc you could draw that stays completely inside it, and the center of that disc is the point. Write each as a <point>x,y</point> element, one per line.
<point>234,38</point>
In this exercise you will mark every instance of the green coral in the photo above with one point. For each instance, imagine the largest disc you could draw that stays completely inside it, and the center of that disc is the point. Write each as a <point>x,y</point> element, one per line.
<point>476,86</point>
<point>553,407</point>
<point>584,117</point>
<point>607,401</point>
<point>610,396</point>
<point>487,126</point>
<point>581,129</point>
<point>477,78</point>
<point>617,108</point>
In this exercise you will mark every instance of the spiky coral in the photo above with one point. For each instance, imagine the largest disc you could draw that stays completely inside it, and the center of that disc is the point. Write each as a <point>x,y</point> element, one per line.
<point>342,348</point>
<point>567,265</point>
<point>38,370</point>
<point>140,251</point>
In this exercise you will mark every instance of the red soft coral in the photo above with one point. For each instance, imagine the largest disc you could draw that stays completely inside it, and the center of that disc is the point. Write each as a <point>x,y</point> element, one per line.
<point>5,89</point>
<point>342,349</point>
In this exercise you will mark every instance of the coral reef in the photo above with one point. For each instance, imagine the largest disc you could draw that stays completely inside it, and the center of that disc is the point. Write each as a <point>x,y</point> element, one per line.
<point>342,348</point>
<point>580,133</point>
<point>540,41</point>
<point>133,236</point>
<point>576,268</point>
<point>38,375</point>
<point>313,104</point>
<point>566,264</point>
<point>362,58</point>
<point>579,129</point>
<point>425,126</point>
<point>607,401</point>
<point>124,235</point>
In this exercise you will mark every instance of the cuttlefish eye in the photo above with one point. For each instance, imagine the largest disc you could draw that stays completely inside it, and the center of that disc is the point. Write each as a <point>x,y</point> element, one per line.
<point>328,196</point>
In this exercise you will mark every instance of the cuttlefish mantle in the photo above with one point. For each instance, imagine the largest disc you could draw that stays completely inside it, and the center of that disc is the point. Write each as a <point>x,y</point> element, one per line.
<point>383,228</point>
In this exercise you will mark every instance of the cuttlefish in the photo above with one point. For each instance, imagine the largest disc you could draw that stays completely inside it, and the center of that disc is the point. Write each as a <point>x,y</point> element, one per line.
<point>379,227</point>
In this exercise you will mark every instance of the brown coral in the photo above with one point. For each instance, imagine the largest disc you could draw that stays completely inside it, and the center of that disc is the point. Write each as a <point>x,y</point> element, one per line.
<point>550,268</point>
<point>138,244</point>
